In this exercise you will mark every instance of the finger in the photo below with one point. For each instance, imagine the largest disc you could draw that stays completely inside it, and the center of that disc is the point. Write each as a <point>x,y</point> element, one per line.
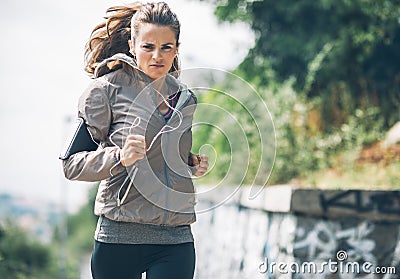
<point>136,137</point>
<point>200,173</point>
<point>204,164</point>
<point>135,149</point>
<point>193,160</point>
<point>201,169</point>
<point>139,151</point>
<point>203,157</point>
<point>139,156</point>
<point>136,143</point>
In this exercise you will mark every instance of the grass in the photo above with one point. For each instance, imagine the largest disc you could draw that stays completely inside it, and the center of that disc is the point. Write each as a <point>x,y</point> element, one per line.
<point>368,177</point>
<point>374,168</point>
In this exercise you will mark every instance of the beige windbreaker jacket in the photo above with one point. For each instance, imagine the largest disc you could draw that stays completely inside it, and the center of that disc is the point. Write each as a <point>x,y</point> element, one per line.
<point>157,189</point>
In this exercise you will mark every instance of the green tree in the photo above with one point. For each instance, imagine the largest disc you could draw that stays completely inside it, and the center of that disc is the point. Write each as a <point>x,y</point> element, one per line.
<point>81,226</point>
<point>74,239</point>
<point>22,257</point>
<point>342,53</point>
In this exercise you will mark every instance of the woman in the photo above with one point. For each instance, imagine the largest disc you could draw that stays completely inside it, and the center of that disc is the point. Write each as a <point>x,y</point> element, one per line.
<point>141,116</point>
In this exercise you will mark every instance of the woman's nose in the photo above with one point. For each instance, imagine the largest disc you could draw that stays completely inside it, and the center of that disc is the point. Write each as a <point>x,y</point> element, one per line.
<point>156,54</point>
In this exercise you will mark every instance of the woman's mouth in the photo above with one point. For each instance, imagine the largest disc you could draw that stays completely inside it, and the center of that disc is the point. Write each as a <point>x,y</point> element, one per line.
<point>157,66</point>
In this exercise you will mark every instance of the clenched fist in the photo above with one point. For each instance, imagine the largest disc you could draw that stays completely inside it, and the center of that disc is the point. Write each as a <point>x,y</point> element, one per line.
<point>133,150</point>
<point>200,163</point>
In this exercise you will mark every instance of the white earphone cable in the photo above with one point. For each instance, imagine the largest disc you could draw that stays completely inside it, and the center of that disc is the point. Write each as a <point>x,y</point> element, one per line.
<point>163,129</point>
<point>137,121</point>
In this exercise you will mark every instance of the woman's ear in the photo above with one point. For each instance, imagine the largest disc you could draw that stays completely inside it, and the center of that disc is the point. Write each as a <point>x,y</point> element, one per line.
<point>131,47</point>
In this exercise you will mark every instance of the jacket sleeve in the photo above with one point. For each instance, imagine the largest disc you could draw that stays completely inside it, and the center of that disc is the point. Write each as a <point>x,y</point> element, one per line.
<point>94,108</point>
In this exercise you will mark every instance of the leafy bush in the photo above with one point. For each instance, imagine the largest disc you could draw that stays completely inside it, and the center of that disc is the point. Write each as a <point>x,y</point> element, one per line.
<point>23,257</point>
<point>302,147</point>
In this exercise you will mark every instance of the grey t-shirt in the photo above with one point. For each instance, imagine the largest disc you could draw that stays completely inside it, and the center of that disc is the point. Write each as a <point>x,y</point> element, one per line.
<point>110,231</point>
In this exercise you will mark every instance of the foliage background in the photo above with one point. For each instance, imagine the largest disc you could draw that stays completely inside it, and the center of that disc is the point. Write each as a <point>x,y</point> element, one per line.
<point>329,72</point>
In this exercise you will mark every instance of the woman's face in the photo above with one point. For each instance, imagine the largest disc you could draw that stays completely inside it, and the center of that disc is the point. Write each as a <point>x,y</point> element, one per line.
<point>155,48</point>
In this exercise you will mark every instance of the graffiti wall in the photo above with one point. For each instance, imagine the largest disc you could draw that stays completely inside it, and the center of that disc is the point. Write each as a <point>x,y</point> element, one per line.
<point>335,239</point>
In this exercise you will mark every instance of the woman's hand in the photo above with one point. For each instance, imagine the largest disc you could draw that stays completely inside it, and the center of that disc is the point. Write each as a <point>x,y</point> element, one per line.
<point>200,163</point>
<point>133,150</point>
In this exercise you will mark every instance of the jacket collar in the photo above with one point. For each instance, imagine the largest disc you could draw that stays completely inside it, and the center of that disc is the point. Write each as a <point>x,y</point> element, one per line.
<point>185,93</point>
<point>116,57</point>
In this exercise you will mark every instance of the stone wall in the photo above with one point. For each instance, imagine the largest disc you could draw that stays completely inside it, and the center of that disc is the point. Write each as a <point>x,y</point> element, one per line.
<point>292,233</point>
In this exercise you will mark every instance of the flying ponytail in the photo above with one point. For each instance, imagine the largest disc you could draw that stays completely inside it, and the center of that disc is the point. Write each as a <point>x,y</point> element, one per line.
<point>111,36</point>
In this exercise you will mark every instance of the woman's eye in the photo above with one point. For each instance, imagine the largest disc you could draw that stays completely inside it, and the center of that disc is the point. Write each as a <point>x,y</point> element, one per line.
<point>147,47</point>
<point>166,48</point>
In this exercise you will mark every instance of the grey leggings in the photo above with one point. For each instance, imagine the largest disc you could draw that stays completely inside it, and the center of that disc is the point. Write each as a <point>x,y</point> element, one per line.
<point>128,261</point>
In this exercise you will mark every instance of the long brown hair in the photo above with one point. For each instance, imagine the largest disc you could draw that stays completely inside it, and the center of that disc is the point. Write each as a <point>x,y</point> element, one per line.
<point>123,24</point>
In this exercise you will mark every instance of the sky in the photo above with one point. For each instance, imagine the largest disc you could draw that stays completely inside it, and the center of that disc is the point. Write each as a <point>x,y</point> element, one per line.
<point>42,78</point>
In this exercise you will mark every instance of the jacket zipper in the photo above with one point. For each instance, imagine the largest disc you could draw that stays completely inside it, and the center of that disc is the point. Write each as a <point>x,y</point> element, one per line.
<point>164,222</point>
<point>184,104</point>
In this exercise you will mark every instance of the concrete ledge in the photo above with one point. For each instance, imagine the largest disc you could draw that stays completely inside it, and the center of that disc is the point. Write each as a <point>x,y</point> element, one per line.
<point>375,205</point>
<point>273,198</point>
